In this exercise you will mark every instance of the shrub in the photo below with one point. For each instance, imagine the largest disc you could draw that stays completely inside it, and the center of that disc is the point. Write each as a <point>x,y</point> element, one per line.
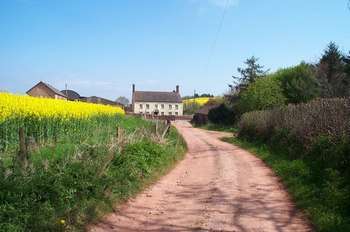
<point>299,83</point>
<point>264,93</point>
<point>306,121</point>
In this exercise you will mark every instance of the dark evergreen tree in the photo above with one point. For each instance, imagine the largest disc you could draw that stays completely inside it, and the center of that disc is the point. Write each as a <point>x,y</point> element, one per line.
<point>331,72</point>
<point>347,64</point>
<point>248,75</point>
<point>346,60</point>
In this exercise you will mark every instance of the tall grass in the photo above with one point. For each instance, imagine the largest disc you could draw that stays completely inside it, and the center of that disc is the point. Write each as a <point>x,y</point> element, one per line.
<point>82,175</point>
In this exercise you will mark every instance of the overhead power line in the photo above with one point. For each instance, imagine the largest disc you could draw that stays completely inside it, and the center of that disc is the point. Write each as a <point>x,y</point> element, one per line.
<point>213,45</point>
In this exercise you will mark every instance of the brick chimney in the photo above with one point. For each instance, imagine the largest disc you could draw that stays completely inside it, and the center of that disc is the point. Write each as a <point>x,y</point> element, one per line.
<point>177,89</point>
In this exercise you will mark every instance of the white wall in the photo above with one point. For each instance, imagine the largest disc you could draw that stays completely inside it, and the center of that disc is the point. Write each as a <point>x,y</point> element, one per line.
<point>152,106</point>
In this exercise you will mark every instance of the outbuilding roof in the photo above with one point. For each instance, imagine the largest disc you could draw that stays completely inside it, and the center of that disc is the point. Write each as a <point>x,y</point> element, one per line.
<point>71,94</point>
<point>154,96</point>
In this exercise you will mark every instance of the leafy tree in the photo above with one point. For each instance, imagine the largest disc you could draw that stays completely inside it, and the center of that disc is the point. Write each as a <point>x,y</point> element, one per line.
<point>206,95</point>
<point>122,100</point>
<point>331,72</point>
<point>196,95</point>
<point>248,75</point>
<point>263,94</point>
<point>299,83</point>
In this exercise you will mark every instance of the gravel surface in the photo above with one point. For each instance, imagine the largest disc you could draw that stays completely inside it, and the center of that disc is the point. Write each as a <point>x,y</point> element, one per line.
<point>216,187</point>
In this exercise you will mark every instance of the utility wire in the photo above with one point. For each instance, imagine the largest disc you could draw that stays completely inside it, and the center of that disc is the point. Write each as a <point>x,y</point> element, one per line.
<point>213,46</point>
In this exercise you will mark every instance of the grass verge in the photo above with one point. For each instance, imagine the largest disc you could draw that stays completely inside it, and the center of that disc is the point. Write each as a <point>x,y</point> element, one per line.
<point>324,198</point>
<point>77,179</point>
<point>218,127</point>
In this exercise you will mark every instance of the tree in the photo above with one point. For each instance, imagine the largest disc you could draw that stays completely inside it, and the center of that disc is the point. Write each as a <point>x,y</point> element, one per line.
<point>346,60</point>
<point>264,93</point>
<point>299,83</point>
<point>122,100</point>
<point>248,75</point>
<point>331,72</point>
<point>347,64</point>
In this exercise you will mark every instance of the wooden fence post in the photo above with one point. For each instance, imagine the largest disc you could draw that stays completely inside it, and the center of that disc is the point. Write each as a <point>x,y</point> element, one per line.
<point>157,127</point>
<point>23,152</point>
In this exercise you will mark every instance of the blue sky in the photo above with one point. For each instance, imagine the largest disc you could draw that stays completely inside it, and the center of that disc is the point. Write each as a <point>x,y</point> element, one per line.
<point>101,47</point>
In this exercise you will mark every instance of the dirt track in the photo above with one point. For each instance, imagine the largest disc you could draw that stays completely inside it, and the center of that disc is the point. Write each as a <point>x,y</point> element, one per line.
<point>217,187</point>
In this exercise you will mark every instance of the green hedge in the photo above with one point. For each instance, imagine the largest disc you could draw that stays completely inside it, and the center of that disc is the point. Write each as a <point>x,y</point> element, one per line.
<point>310,146</point>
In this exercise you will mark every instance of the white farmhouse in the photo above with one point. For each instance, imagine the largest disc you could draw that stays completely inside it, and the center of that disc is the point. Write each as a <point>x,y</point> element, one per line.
<point>158,103</point>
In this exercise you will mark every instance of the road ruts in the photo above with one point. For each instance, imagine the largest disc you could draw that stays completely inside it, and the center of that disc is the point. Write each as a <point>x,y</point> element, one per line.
<point>216,187</point>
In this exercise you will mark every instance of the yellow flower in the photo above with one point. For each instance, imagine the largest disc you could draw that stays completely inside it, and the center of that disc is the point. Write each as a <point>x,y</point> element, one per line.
<point>15,106</point>
<point>62,221</point>
<point>200,101</point>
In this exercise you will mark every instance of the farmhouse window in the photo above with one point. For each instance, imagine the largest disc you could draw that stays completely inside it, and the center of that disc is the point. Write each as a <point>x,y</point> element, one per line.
<point>162,106</point>
<point>176,113</point>
<point>162,113</point>
<point>170,107</point>
<point>170,113</point>
<point>147,106</point>
<point>177,107</point>
<point>156,106</point>
<point>141,106</point>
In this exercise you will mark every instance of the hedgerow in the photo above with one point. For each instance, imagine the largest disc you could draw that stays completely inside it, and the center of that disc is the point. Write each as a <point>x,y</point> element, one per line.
<point>310,149</point>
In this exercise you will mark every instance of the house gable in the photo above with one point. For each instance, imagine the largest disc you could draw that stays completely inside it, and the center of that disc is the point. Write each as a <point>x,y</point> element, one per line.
<point>45,90</point>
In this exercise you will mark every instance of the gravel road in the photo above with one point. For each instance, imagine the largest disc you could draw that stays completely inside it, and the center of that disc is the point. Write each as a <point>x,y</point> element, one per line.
<point>216,187</point>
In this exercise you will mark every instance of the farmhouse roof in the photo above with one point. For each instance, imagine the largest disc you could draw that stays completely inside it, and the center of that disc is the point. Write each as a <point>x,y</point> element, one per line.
<point>154,96</point>
<point>48,86</point>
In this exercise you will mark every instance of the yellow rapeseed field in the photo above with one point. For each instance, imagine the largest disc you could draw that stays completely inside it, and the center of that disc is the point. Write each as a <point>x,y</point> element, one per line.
<point>15,106</point>
<point>200,101</point>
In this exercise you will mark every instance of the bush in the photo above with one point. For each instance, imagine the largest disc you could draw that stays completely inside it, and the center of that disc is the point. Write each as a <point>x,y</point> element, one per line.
<point>221,115</point>
<point>299,83</point>
<point>264,93</point>
<point>306,121</point>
